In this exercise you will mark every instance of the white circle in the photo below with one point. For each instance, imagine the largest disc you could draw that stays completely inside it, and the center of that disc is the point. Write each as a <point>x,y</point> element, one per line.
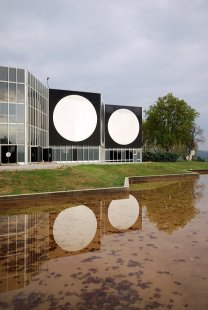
<point>123,213</point>
<point>74,228</point>
<point>123,126</point>
<point>75,118</point>
<point>8,154</point>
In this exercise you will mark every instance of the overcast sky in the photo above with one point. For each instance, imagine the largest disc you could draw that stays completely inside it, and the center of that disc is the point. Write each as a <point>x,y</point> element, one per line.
<point>130,51</point>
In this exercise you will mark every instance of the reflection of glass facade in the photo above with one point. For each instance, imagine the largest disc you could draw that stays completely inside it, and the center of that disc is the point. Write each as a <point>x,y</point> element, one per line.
<point>24,245</point>
<point>23,115</point>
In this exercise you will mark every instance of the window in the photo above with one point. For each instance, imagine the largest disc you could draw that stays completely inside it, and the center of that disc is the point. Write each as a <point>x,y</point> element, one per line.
<point>3,134</point>
<point>20,134</point>
<point>3,112</point>
<point>21,153</point>
<point>91,154</point>
<point>20,75</point>
<point>12,134</point>
<point>3,91</point>
<point>63,154</point>
<point>20,93</point>
<point>4,73</point>
<point>86,154</point>
<point>96,154</point>
<point>69,154</point>
<point>12,92</point>
<point>80,153</point>
<point>57,154</point>
<point>12,113</point>
<point>123,155</point>
<point>20,113</point>
<point>107,155</point>
<point>12,75</point>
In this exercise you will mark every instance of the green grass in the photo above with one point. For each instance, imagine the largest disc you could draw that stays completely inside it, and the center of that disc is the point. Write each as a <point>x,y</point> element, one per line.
<point>85,176</point>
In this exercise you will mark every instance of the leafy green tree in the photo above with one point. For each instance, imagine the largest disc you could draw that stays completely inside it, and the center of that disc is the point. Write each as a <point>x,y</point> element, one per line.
<point>169,124</point>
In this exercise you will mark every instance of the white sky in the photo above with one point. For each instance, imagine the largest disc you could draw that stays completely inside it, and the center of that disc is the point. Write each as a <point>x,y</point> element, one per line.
<point>130,51</point>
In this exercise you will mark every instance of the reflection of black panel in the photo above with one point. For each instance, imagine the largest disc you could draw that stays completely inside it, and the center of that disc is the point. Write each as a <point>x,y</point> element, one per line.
<point>109,142</point>
<point>55,95</point>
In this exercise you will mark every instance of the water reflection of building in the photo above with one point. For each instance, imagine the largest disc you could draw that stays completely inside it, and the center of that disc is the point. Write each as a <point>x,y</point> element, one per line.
<point>97,212</point>
<point>27,241</point>
<point>23,248</point>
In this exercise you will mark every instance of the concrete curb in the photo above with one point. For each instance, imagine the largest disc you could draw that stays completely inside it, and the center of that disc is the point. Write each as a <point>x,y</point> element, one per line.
<point>157,178</point>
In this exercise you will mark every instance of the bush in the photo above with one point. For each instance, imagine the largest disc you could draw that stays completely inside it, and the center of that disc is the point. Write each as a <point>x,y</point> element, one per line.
<point>160,156</point>
<point>199,158</point>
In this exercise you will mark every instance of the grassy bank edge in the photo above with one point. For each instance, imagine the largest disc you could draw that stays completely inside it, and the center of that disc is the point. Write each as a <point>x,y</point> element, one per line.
<point>91,176</point>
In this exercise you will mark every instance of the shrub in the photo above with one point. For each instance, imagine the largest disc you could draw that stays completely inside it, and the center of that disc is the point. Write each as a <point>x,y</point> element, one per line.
<point>160,156</point>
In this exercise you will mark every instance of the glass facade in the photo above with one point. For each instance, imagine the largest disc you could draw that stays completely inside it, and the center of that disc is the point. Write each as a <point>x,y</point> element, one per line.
<point>38,111</point>
<point>75,154</point>
<point>23,114</point>
<point>123,155</point>
<point>12,114</point>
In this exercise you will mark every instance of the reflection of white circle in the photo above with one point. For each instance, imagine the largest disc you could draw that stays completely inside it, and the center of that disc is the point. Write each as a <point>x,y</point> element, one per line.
<point>8,154</point>
<point>123,213</point>
<point>123,126</point>
<point>75,118</point>
<point>74,228</point>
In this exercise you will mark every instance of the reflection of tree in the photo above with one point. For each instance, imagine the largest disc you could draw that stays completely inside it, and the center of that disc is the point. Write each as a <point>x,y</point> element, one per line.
<point>171,206</point>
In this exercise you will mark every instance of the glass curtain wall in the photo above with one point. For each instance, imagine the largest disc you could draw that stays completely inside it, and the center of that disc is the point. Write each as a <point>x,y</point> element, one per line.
<point>23,116</point>
<point>12,114</point>
<point>38,108</point>
<point>123,155</point>
<point>75,153</point>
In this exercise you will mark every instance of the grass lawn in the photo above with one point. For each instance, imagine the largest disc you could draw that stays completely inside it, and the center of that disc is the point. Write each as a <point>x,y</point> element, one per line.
<point>85,176</point>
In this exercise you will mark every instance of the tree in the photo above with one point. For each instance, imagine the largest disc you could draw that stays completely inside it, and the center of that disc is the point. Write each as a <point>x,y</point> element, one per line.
<point>169,124</point>
<point>196,137</point>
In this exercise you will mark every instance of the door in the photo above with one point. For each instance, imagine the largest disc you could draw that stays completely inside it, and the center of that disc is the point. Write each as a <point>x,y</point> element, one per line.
<point>9,154</point>
<point>34,154</point>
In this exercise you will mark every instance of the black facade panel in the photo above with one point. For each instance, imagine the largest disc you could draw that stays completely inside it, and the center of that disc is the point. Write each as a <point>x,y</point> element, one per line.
<point>109,142</point>
<point>12,150</point>
<point>55,139</point>
<point>47,154</point>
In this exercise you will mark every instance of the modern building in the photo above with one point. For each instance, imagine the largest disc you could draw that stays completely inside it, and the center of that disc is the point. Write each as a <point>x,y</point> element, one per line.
<point>41,124</point>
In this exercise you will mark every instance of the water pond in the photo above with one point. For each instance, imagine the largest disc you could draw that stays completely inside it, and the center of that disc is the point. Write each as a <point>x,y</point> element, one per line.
<point>143,250</point>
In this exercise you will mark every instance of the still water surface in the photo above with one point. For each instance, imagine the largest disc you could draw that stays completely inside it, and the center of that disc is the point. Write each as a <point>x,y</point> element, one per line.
<point>146,250</point>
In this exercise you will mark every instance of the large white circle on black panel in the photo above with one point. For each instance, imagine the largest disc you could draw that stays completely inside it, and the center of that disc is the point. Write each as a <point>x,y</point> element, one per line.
<point>75,118</point>
<point>75,228</point>
<point>123,126</point>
